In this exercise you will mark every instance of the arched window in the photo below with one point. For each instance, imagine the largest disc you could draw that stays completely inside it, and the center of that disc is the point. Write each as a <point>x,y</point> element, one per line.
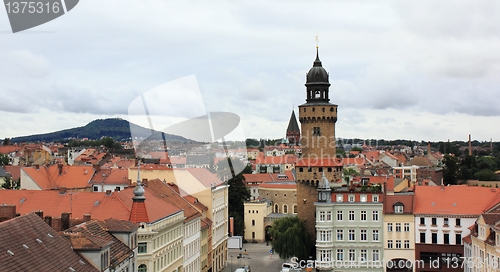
<point>285,208</point>
<point>276,208</point>
<point>398,207</point>
<point>253,222</point>
<point>142,268</point>
<point>295,208</point>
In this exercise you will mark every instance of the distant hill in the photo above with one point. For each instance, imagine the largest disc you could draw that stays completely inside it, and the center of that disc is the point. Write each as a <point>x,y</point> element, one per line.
<point>116,128</point>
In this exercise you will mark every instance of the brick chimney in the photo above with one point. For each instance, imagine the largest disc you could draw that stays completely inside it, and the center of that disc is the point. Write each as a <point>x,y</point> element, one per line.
<point>86,217</point>
<point>48,220</point>
<point>7,212</point>
<point>231,226</point>
<point>60,167</point>
<point>39,213</point>
<point>56,223</point>
<point>65,217</point>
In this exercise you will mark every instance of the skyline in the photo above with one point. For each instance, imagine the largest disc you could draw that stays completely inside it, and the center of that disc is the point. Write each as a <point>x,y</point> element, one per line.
<point>416,71</point>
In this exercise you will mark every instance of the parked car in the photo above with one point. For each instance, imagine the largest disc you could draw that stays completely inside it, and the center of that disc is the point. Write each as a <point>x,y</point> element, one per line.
<point>245,268</point>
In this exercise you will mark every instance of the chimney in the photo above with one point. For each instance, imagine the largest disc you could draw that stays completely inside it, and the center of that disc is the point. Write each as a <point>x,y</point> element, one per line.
<point>56,223</point>
<point>7,212</point>
<point>129,182</point>
<point>470,147</point>
<point>48,220</point>
<point>86,217</point>
<point>65,217</point>
<point>39,213</point>
<point>145,182</point>
<point>231,226</point>
<point>428,148</point>
<point>60,167</point>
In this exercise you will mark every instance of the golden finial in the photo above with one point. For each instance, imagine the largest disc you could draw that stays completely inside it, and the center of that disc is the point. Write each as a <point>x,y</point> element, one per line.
<point>317,40</point>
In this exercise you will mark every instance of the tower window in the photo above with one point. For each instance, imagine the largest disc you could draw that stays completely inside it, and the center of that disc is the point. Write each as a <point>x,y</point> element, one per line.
<point>317,94</point>
<point>323,109</point>
<point>331,109</point>
<point>305,109</point>
<point>316,131</point>
<point>314,109</point>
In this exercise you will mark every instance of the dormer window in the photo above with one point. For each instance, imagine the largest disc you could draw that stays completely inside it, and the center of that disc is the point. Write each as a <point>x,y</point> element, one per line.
<point>351,198</point>
<point>375,198</point>
<point>398,207</point>
<point>363,198</point>
<point>339,198</point>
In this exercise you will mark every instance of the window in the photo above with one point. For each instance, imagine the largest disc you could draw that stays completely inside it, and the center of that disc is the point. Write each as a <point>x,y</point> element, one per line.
<point>375,198</point>
<point>142,248</point>
<point>422,237</point>
<point>363,215</point>
<point>142,268</point>
<point>398,227</point>
<point>398,244</point>
<point>340,235</point>
<point>253,222</point>
<point>434,238</point>
<point>351,215</point>
<point>445,222</point>
<point>301,169</point>
<point>398,208</point>
<point>339,198</point>
<point>325,235</point>
<point>389,227</point>
<point>329,216</point>
<point>422,220</point>
<point>407,244</point>
<point>325,255</point>
<point>407,227</point>
<point>375,216</point>
<point>458,238</point>
<point>295,208</point>
<point>434,221</point>
<point>352,235</point>
<point>339,216</point>
<point>457,222</point>
<point>351,198</point>
<point>375,255</point>
<point>446,238</point>
<point>96,188</point>
<point>389,243</point>
<point>352,255</point>
<point>363,235</point>
<point>325,216</point>
<point>363,198</point>
<point>316,131</point>
<point>104,260</point>
<point>285,208</point>
<point>340,254</point>
<point>363,255</point>
<point>276,208</point>
<point>375,235</point>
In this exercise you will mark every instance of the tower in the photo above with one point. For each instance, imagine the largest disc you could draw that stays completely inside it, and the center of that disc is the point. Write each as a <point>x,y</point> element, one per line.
<point>293,131</point>
<point>318,162</point>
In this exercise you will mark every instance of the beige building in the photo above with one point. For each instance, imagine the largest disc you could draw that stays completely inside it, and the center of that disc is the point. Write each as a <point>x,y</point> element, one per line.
<point>255,214</point>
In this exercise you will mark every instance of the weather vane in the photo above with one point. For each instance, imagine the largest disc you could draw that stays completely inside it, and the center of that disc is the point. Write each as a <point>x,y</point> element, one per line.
<point>317,40</point>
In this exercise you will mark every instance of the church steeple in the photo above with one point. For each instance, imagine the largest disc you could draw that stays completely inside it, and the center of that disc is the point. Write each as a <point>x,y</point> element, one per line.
<point>293,130</point>
<point>138,212</point>
<point>139,191</point>
<point>317,82</point>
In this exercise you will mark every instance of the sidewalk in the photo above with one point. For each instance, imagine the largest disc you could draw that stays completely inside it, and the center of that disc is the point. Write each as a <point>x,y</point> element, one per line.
<point>258,258</point>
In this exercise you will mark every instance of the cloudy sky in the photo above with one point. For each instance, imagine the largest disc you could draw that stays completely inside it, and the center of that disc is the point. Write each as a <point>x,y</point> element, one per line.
<point>420,70</point>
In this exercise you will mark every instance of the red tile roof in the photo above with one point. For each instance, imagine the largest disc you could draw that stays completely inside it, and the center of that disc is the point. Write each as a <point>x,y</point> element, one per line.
<point>149,166</point>
<point>455,200</point>
<point>163,156</point>
<point>15,171</point>
<point>178,160</point>
<point>204,176</point>
<point>70,177</point>
<point>111,176</point>
<point>406,200</point>
<point>139,212</point>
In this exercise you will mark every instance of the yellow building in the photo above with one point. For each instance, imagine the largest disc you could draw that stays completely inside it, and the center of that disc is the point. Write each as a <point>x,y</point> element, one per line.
<point>255,213</point>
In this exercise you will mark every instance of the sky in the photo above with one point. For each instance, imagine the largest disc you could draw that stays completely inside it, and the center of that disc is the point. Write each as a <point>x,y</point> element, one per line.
<point>416,70</point>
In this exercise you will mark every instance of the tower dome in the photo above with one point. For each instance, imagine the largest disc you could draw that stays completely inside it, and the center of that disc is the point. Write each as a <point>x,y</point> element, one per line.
<point>317,74</point>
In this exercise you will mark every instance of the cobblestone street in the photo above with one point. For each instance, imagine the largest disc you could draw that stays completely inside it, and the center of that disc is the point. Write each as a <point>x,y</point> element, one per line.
<point>257,258</point>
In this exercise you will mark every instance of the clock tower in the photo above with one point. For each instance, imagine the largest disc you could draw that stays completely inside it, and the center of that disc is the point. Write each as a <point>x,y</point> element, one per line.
<point>318,165</point>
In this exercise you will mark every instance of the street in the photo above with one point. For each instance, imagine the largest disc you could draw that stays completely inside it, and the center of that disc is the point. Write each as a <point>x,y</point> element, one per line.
<point>258,258</point>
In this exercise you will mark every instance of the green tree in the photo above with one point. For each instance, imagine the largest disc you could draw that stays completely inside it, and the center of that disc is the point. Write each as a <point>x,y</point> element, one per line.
<point>485,174</point>
<point>11,184</point>
<point>238,192</point>
<point>4,159</point>
<point>252,143</point>
<point>6,141</point>
<point>450,169</point>
<point>290,238</point>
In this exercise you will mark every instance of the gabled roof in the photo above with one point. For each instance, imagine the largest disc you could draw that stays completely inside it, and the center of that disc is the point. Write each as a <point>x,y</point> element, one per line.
<point>453,200</point>
<point>29,244</point>
<point>6,149</point>
<point>14,170</point>
<point>48,178</point>
<point>405,200</point>
<point>93,235</point>
<point>111,176</point>
<point>204,176</point>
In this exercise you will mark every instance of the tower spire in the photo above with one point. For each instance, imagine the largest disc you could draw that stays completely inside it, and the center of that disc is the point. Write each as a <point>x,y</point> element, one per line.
<point>139,191</point>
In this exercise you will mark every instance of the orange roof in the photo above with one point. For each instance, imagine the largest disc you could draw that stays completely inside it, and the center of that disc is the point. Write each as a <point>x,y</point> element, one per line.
<point>319,162</point>
<point>15,171</point>
<point>163,156</point>
<point>453,199</point>
<point>371,155</point>
<point>138,212</point>
<point>111,176</point>
<point>124,163</point>
<point>70,177</point>
<point>100,206</point>
<point>267,177</point>
<point>9,149</point>
<point>354,161</point>
<point>178,160</point>
<point>204,176</point>
<point>149,166</point>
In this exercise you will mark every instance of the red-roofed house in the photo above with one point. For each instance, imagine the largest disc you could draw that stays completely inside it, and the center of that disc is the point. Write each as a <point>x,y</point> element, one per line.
<point>443,215</point>
<point>113,179</point>
<point>57,176</point>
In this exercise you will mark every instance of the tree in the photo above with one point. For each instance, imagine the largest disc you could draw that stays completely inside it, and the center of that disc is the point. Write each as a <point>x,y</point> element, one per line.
<point>11,184</point>
<point>485,174</point>
<point>290,238</point>
<point>6,141</point>
<point>4,159</point>
<point>238,192</point>
<point>450,169</point>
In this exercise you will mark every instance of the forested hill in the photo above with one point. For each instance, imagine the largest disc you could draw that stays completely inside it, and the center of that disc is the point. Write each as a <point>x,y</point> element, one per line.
<point>116,128</point>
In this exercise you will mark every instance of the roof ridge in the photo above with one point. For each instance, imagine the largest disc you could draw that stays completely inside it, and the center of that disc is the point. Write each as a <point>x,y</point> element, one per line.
<point>116,196</point>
